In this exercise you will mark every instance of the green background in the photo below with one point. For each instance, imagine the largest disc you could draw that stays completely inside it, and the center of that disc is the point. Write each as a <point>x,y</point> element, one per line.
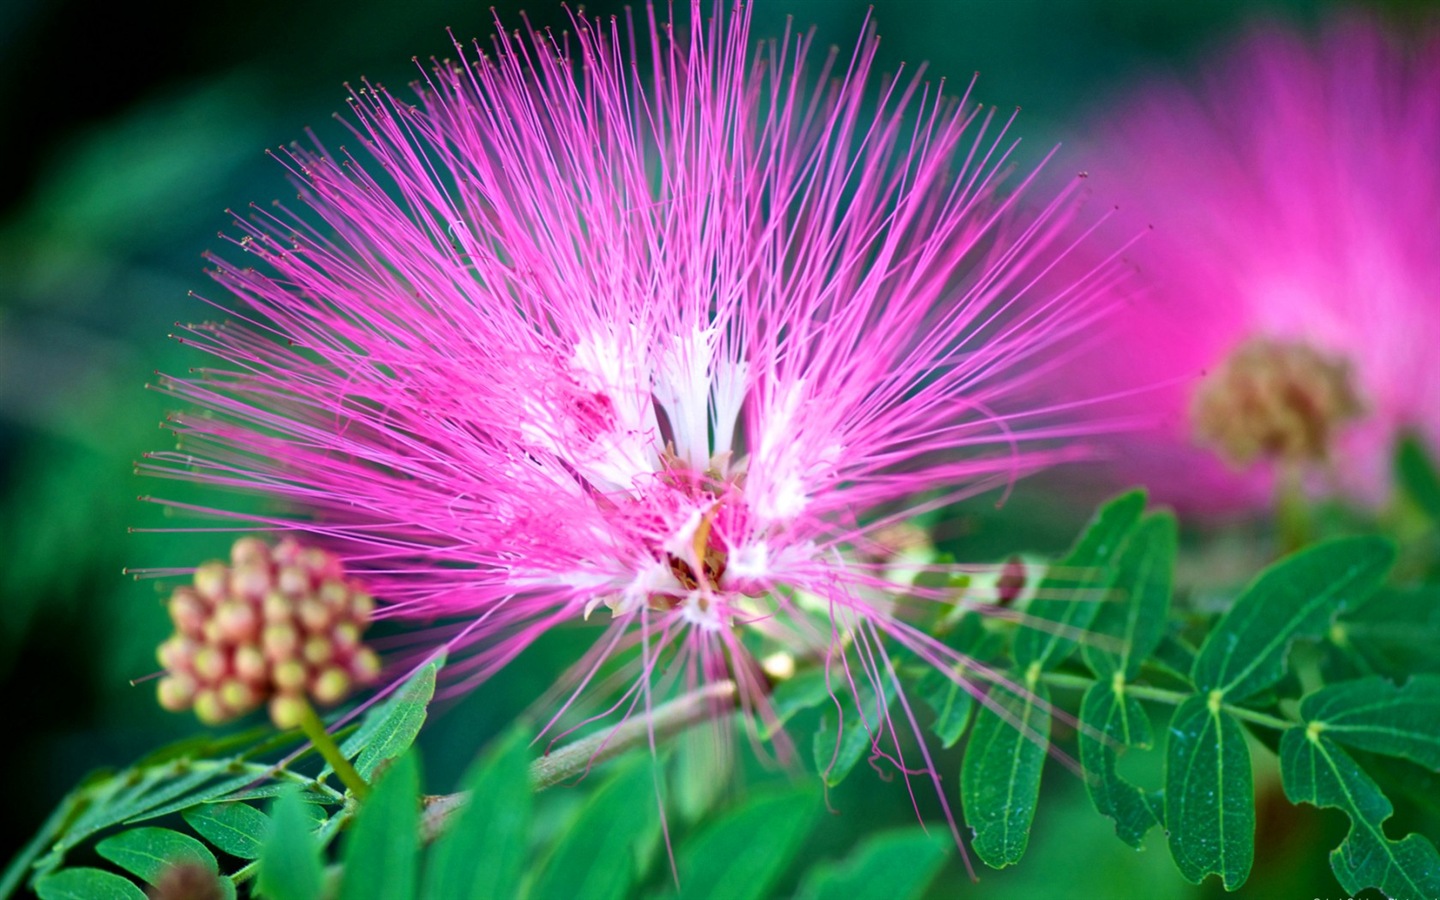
<point>131,127</point>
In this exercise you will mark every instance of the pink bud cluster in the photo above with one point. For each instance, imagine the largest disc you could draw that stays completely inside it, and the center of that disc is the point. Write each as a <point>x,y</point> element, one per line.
<point>275,625</point>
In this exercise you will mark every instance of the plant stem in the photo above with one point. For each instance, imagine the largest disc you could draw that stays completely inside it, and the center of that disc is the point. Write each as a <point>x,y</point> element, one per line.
<point>324,744</point>
<point>1161,695</point>
<point>664,721</point>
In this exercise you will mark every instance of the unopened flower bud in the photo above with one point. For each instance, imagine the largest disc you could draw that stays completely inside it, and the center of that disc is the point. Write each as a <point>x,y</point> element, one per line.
<point>209,708</point>
<point>211,581</point>
<point>289,675</point>
<point>250,580</point>
<point>177,654</point>
<point>176,691</point>
<point>365,665</point>
<point>318,651</point>
<point>293,581</point>
<point>288,553</point>
<point>237,695</point>
<point>280,641</point>
<point>362,606</point>
<point>210,664</point>
<point>187,611</point>
<point>330,686</point>
<point>313,614</point>
<point>237,621</point>
<point>277,607</point>
<point>334,593</point>
<point>287,710</point>
<point>346,636</point>
<point>250,551</point>
<point>250,664</point>
<point>320,564</point>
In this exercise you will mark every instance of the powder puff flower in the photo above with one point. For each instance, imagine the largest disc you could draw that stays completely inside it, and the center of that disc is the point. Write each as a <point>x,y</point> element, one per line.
<point>660,336</point>
<point>1294,267</point>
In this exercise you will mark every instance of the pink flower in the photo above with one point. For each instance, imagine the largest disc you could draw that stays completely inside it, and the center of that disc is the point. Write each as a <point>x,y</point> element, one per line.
<point>1294,266</point>
<point>666,349</point>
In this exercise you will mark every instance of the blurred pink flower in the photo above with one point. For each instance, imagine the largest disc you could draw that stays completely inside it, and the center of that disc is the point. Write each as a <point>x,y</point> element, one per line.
<point>669,348</point>
<point>1295,202</point>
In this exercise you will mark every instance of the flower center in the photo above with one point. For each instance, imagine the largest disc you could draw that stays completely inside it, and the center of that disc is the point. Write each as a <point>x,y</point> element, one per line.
<point>1278,400</point>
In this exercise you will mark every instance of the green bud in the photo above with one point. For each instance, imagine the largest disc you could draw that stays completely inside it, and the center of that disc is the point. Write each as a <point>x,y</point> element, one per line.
<point>346,636</point>
<point>362,605</point>
<point>209,708</point>
<point>238,695</point>
<point>365,665</point>
<point>330,686</point>
<point>290,675</point>
<point>318,651</point>
<point>287,711</point>
<point>334,593</point>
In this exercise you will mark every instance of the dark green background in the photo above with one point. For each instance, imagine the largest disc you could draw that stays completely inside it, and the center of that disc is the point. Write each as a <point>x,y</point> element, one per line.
<point>131,127</point>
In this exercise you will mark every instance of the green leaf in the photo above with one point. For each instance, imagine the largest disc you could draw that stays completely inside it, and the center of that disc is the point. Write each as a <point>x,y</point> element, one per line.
<point>844,736</point>
<point>382,850</point>
<point>1000,773</point>
<point>740,856</point>
<point>1296,597</point>
<point>86,884</point>
<point>895,865</point>
<point>290,858</point>
<point>593,858</point>
<point>804,691</point>
<point>1086,571</point>
<point>1109,719</point>
<point>1314,770</point>
<point>391,726</point>
<point>1415,471</point>
<point>1377,715</point>
<point>147,852</point>
<point>239,829</point>
<point>1209,794</point>
<point>1142,586</point>
<point>1394,633</point>
<point>952,702</point>
<point>483,852</point>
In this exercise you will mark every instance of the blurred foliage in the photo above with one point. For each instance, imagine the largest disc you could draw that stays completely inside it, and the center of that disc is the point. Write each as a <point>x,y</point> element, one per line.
<point>122,159</point>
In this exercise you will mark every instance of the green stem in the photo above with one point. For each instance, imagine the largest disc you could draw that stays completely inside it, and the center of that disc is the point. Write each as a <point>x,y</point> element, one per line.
<point>324,744</point>
<point>1161,695</point>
